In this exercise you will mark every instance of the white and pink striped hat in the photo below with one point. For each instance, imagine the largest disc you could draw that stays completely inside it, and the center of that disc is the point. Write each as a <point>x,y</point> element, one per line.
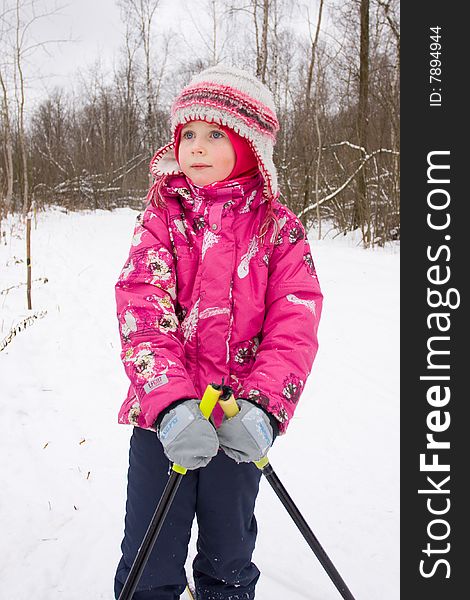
<point>231,97</point>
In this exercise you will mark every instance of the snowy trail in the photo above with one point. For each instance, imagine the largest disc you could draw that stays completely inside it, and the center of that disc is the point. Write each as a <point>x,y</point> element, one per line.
<point>64,458</point>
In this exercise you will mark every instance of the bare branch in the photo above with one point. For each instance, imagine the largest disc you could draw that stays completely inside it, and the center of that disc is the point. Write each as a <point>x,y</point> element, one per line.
<point>345,184</point>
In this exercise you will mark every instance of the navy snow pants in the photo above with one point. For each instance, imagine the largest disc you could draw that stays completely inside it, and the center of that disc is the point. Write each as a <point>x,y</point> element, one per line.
<point>222,496</point>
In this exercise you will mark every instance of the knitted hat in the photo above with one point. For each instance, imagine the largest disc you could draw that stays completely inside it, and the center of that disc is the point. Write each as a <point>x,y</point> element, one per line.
<point>235,99</point>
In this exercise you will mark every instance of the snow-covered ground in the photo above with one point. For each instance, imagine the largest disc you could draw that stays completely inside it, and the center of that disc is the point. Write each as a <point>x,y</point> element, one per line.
<point>64,457</point>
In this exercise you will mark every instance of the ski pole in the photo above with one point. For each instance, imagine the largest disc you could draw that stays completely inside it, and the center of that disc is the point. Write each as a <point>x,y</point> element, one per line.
<point>230,407</point>
<point>209,400</point>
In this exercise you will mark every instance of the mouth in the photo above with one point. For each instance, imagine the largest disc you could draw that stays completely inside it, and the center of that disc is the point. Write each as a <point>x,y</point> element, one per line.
<point>200,166</point>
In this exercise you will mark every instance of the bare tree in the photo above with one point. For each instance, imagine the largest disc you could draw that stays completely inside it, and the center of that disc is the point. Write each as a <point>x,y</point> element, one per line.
<point>126,80</point>
<point>389,7</point>
<point>19,30</point>
<point>18,19</point>
<point>361,204</point>
<point>6,119</point>
<point>7,146</point>
<point>310,75</point>
<point>27,13</point>
<point>142,14</point>
<point>337,99</point>
<point>213,31</point>
<point>261,40</point>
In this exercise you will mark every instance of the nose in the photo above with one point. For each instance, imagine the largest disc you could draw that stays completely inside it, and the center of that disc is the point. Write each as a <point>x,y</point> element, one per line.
<point>198,148</point>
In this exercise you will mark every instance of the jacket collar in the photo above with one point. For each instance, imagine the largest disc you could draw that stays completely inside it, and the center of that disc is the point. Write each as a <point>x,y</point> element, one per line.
<point>242,195</point>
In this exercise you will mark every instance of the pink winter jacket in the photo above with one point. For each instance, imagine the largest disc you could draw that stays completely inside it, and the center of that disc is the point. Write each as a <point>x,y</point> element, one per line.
<point>203,297</point>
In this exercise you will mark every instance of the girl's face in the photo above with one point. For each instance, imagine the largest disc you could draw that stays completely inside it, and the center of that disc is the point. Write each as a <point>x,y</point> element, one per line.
<point>205,153</point>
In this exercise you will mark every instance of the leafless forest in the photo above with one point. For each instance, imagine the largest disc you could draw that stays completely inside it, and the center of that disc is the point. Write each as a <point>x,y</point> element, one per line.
<point>335,81</point>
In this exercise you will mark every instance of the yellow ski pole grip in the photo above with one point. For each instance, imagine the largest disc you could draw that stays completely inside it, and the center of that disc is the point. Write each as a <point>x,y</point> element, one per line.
<point>209,400</point>
<point>230,408</point>
<point>207,404</point>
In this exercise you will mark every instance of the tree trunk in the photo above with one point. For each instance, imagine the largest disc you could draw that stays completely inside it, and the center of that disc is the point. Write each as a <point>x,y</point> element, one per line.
<point>313,54</point>
<point>21,101</point>
<point>214,33</point>
<point>8,147</point>
<point>360,216</point>
<point>261,48</point>
<point>308,142</point>
<point>146,11</point>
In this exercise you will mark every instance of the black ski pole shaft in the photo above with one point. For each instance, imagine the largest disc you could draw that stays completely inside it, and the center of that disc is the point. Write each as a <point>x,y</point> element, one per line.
<point>209,400</point>
<point>307,533</point>
<point>230,407</point>
<point>151,536</point>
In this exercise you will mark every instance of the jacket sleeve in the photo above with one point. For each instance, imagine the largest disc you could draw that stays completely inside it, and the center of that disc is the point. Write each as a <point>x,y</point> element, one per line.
<point>152,349</point>
<point>289,334</point>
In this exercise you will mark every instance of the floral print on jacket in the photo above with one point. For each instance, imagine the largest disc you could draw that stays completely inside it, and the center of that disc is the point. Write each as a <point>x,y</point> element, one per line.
<point>203,297</point>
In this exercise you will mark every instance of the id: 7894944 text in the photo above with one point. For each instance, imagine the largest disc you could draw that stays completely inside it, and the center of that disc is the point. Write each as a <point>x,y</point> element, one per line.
<point>435,66</point>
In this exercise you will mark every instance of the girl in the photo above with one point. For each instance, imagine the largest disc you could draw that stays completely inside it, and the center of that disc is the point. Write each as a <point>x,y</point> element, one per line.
<point>219,284</point>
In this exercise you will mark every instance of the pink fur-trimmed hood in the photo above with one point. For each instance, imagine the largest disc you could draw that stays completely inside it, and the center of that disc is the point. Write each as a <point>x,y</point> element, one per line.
<point>233,98</point>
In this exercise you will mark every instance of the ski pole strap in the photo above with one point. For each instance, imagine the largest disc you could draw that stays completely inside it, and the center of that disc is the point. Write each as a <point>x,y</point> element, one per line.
<point>207,404</point>
<point>230,407</point>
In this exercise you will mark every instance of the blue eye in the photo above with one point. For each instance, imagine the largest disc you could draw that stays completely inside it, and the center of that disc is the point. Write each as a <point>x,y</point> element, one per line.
<point>186,134</point>
<point>218,133</point>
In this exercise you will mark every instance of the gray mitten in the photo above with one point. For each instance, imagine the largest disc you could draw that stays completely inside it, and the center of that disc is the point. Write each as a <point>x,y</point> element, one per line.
<point>247,436</point>
<point>187,437</point>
